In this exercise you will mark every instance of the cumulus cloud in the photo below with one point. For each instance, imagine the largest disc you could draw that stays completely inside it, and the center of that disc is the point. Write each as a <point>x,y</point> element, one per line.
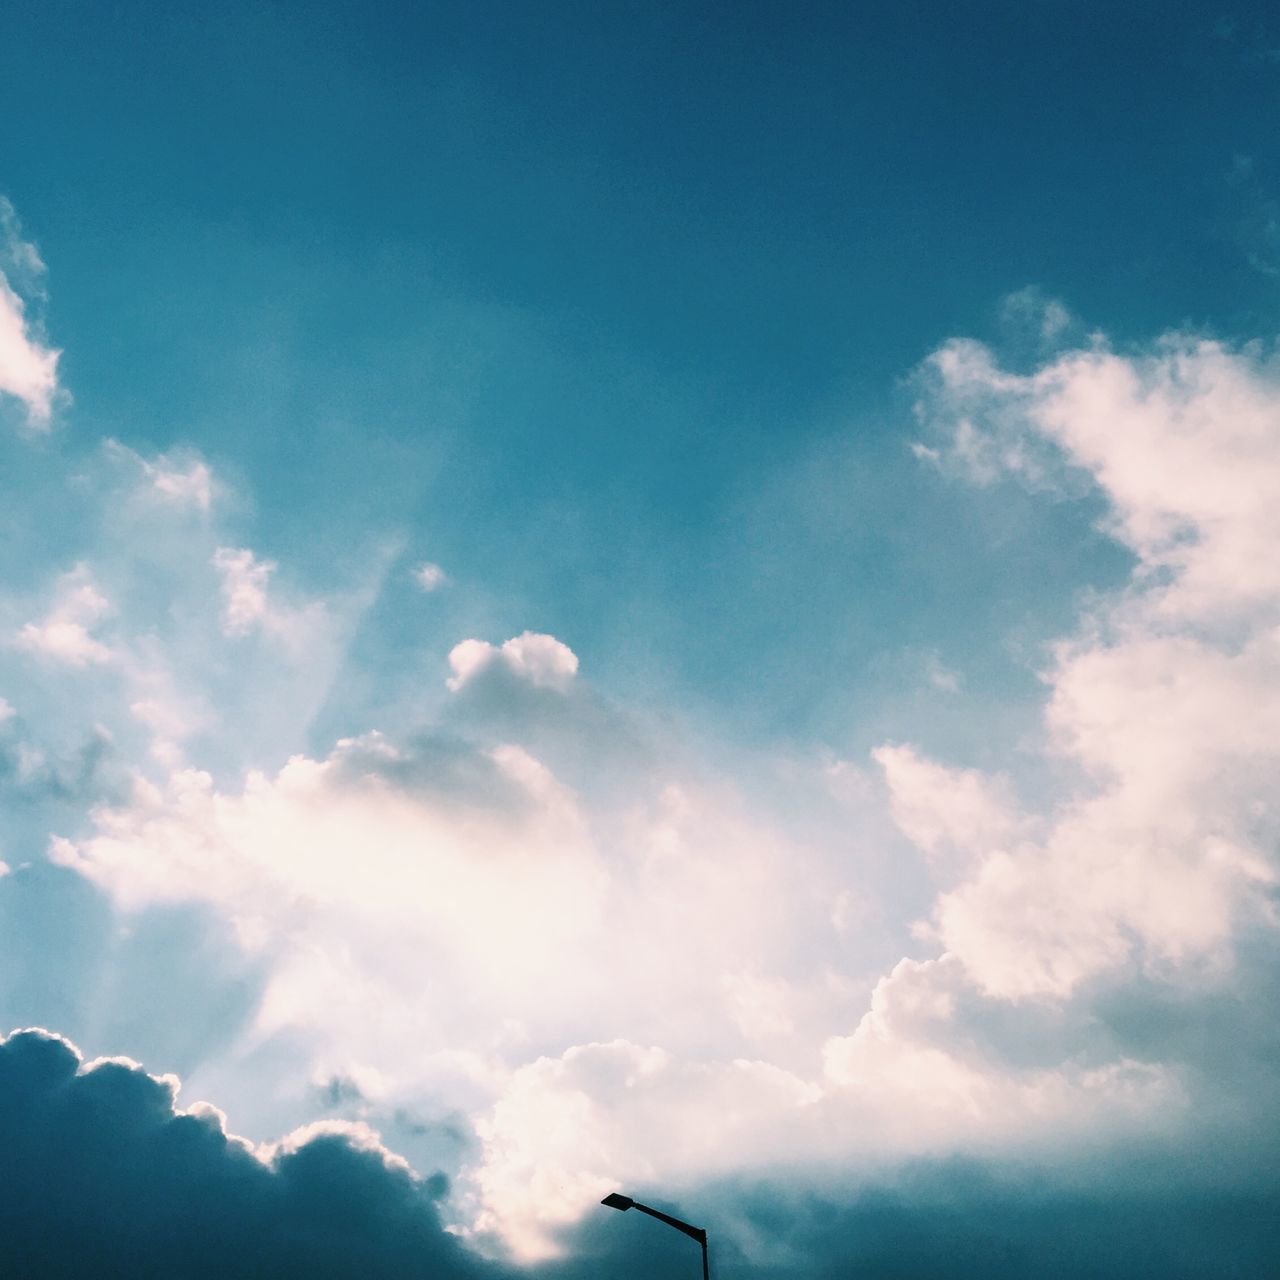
<point>1181,440</point>
<point>104,1175</point>
<point>28,368</point>
<point>540,660</point>
<point>533,910</point>
<point>938,807</point>
<point>571,1128</point>
<point>1166,701</point>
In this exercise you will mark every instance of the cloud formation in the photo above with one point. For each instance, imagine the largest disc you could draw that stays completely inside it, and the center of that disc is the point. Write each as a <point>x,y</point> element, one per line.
<point>1166,701</point>
<point>430,576</point>
<point>536,893</point>
<point>541,660</point>
<point>104,1175</point>
<point>65,634</point>
<point>28,368</point>
<point>618,957</point>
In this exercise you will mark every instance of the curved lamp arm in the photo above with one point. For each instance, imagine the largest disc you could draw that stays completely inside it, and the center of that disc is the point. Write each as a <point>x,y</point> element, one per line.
<point>616,1200</point>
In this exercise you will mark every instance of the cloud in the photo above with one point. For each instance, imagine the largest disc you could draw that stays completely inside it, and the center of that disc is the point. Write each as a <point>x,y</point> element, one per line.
<point>244,588</point>
<point>541,660</point>
<point>1180,440</point>
<point>65,634</point>
<point>430,576</point>
<point>248,606</point>
<point>105,1176</point>
<point>569,1129</point>
<point>942,677</point>
<point>1166,701</point>
<point>614,951</point>
<point>936,806</point>
<point>28,369</point>
<point>180,477</point>
<point>435,914</point>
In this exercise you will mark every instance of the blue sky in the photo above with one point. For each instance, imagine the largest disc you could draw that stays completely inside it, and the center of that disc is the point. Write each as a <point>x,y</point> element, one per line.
<point>588,572</point>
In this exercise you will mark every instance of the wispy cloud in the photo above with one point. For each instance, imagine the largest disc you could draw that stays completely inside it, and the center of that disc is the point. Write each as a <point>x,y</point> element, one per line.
<point>429,576</point>
<point>28,367</point>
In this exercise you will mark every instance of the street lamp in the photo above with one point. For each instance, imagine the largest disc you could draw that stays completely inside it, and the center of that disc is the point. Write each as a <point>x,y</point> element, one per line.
<point>616,1200</point>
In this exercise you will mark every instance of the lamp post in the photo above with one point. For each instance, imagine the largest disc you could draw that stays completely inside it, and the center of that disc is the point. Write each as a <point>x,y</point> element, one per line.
<point>616,1200</point>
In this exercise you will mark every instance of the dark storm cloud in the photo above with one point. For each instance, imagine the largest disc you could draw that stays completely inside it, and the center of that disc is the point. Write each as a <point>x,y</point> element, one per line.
<point>99,1176</point>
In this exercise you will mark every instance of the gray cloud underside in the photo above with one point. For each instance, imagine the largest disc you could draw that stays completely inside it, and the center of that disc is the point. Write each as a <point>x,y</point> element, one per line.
<point>102,1177</point>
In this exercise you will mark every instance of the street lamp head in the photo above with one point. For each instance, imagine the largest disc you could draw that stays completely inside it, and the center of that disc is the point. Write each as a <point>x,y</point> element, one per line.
<point>616,1200</point>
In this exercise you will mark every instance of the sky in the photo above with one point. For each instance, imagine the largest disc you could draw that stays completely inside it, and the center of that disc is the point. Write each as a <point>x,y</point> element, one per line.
<point>677,598</point>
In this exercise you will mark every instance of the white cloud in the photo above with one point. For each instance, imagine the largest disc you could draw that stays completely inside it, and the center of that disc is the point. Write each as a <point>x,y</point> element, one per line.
<point>244,588</point>
<point>65,634</point>
<point>430,576</point>
<point>249,604</point>
<point>180,478</point>
<point>569,1128</point>
<point>940,676</point>
<point>1182,442</point>
<point>1167,701</point>
<point>919,1079</point>
<point>19,256</point>
<point>542,660</point>
<point>936,806</point>
<point>28,368</point>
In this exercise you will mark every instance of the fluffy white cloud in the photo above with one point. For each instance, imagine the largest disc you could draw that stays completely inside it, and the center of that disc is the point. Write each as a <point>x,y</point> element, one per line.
<point>919,1077</point>
<point>1168,701</point>
<point>569,1128</point>
<point>542,660</point>
<point>937,807</point>
<point>356,870</point>
<point>1181,440</point>
<point>438,916</point>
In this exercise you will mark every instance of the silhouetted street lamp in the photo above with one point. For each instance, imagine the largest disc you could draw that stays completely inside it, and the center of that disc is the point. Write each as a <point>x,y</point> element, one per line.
<point>615,1200</point>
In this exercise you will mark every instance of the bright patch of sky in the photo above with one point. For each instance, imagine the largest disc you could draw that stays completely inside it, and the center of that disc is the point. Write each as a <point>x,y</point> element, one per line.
<point>651,597</point>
